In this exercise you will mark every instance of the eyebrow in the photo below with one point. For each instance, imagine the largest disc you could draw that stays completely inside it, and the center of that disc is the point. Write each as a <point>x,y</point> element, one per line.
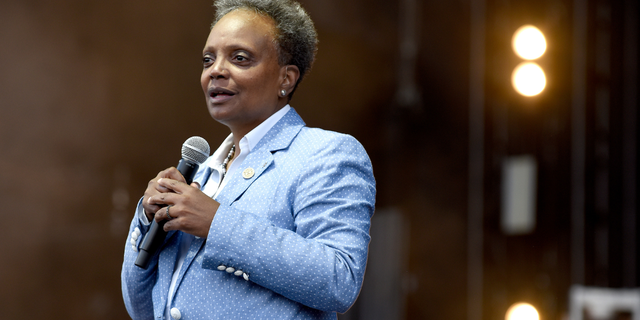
<point>234,47</point>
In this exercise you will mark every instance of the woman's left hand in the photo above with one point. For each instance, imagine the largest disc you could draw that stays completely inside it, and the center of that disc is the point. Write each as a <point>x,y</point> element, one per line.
<point>191,210</point>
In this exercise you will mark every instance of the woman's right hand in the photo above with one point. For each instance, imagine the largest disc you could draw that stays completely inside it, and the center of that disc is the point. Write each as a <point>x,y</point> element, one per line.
<point>153,188</point>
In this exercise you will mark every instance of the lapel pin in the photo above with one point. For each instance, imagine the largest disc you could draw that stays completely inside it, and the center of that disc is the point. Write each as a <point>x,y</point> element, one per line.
<point>248,173</point>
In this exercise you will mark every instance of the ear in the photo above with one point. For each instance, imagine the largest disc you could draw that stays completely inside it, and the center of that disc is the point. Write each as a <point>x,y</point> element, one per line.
<point>289,75</point>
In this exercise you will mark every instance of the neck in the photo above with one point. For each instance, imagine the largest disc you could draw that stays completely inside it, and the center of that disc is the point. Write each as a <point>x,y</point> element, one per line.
<point>240,130</point>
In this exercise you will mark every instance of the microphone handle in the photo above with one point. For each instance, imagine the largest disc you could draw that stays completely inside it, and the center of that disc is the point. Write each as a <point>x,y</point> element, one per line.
<point>154,238</point>
<point>151,243</point>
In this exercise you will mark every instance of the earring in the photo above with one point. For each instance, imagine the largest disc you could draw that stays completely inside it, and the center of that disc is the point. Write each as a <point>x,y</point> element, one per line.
<point>283,92</point>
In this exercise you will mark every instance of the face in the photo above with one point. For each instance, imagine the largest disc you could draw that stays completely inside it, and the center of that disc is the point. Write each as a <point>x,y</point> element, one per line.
<point>241,77</point>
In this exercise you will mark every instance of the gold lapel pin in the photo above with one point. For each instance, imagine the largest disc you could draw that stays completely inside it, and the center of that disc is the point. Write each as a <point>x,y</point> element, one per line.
<point>248,173</point>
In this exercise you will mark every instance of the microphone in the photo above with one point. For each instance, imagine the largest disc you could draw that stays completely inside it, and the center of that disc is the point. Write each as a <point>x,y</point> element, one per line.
<point>194,152</point>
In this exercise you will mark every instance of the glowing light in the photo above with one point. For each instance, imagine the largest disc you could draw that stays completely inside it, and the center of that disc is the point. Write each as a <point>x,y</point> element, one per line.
<point>522,311</point>
<point>528,79</point>
<point>529,43</point>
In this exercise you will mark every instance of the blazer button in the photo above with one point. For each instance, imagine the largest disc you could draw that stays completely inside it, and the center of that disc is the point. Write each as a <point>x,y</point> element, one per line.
<point>175,313</point>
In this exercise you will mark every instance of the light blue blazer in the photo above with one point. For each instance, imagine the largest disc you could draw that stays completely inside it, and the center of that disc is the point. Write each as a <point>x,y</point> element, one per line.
<point>288,242</point>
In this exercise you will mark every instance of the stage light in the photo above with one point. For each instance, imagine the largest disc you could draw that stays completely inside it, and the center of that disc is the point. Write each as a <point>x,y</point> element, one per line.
<point>529,43</point>
<point>528,79</point>
<point>522,311</point>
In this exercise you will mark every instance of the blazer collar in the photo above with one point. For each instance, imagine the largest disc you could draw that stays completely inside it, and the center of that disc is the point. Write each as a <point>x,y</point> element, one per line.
<point>282,133</point>
<point>260,159</point>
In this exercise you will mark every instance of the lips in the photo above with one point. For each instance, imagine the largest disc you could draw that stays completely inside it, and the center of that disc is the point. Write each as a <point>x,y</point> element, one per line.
<point>220,94</point>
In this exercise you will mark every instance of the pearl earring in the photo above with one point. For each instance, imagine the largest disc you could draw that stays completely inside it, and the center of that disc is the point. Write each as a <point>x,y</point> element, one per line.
<point>283,92</point>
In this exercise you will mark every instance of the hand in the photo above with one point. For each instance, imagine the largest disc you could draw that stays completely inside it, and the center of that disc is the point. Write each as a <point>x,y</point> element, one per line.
<point>191,211</point>
<point>153,188</point>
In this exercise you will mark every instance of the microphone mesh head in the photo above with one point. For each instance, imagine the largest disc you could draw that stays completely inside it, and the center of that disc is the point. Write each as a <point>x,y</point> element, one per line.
<point>195,149</point>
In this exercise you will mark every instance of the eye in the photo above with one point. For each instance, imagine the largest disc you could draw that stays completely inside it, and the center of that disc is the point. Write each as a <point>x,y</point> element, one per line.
<point>207,61</point>
<point>241,58</point>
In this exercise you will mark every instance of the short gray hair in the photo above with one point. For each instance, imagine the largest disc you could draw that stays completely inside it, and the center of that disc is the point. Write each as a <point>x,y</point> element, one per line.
<point>296,37</point>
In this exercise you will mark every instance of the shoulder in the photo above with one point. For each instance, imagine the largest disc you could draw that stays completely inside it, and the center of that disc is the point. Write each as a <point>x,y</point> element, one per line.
<point>316,138</point>
<point>329,148</point>
<point>293,128</point>
<point>327,158</point>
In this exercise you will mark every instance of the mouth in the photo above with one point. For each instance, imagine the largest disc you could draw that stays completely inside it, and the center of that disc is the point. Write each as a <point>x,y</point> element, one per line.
<point>219,94</point>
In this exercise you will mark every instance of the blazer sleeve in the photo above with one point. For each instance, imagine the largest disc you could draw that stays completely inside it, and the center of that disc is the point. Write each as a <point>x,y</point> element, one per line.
<point>137,283</point>
<point>320,262</point>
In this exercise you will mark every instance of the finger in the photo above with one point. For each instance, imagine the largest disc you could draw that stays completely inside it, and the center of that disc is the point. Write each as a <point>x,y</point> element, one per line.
<point>174,185</point>
<point>172,224</point>
<point>161,189</point>
<point>166,213</point>
<point>163,199</point>
<point>153,187</point>
<point>172,173</point>
<point>150,209</point>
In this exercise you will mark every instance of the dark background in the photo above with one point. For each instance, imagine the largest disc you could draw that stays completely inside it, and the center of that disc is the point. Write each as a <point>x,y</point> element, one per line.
<point>96,97</point>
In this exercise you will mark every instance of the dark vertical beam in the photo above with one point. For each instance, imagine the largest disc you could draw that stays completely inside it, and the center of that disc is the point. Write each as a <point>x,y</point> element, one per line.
<point>629,152</point>
<point>408,94</point>
<point>578,141</point>
<point>476,160</point>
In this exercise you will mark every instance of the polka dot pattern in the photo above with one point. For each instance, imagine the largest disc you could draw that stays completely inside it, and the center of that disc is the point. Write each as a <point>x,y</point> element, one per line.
<point>288,242</point>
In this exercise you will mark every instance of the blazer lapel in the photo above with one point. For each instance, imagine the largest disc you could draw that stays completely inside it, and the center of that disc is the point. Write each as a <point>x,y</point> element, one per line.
<point>194,248</point>
<point>261,158</point>
<point>201,177</point>
<point>169,253</point>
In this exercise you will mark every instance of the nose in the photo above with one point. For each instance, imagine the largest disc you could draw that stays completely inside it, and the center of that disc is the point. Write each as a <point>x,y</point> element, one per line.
<point>218,70</point>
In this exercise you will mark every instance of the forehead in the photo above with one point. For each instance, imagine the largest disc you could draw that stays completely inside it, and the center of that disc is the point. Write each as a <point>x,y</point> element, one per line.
<point>243,25</point>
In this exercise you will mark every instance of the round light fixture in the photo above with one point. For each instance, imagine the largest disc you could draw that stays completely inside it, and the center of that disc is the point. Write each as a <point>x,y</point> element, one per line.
<point>522,311</point>
<point>529,43</point>
<point>528,79</point>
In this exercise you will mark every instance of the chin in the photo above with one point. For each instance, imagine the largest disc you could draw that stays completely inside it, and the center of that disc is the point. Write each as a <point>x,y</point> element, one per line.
<point>218,116</point>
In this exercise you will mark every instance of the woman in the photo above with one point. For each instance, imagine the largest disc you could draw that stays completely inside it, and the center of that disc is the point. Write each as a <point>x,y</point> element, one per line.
<point>276,223</point>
